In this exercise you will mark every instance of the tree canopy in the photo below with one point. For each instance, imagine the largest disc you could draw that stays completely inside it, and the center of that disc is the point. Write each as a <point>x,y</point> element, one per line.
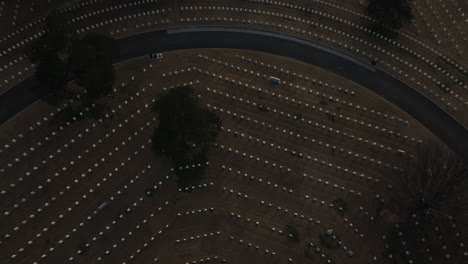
<point>57,37</point>
<point>389,14</point>
<point>91,61</point>
<point>60,56</point>
<point>185,132</point>
<point>52,73</point>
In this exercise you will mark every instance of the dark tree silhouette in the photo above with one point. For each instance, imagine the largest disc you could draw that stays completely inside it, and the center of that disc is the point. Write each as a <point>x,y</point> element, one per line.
<point>56,39</point>
<point>389,15</point>
<point>49,53</point>
<point>185,132</point>
<point>51,72</point>
<point>91,61</point>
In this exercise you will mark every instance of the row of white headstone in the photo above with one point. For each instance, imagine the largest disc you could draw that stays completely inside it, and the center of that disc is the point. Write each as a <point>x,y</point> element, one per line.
<point>431,80</point>
<point>69,209</point>
<point>52,114</point>
<point>392,42</point>
<point>78,157</point>
<point>306,139</point>
<point>313,107</point>
<point>121,216</point>
<point>315,159</point>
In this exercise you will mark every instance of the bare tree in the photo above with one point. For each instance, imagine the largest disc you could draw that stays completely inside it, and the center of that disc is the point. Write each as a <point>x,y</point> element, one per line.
<point>433,206</point>
<point>435,179</point>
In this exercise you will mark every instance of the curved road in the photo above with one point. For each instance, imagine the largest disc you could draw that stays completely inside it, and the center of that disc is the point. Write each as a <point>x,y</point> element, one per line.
<point>422,109</point>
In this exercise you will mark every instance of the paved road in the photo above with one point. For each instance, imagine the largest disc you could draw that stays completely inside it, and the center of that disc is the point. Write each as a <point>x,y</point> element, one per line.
<point>395,91</point>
